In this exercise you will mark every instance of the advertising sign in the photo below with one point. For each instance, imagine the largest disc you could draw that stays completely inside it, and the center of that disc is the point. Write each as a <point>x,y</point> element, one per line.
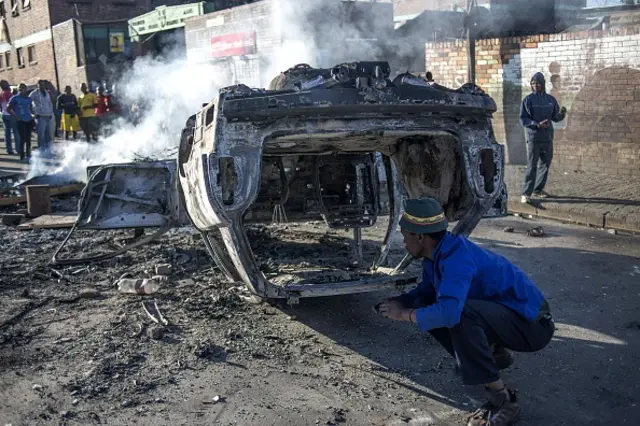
<point>164,18</point>
<point>235,44</point>
<point>116,41</point>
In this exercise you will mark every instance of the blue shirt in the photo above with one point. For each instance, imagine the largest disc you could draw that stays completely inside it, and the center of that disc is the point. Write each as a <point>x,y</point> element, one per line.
<point>22,107</point>
<point>461,270</point>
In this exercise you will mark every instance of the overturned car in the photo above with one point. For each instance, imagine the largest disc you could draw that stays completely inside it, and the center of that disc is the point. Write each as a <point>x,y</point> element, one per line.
<point>344,144</point>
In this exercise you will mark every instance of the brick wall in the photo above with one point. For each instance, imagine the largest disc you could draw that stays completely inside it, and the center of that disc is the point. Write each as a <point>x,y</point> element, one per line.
<point>28,28</point>
<point>596,75</point>
<point>91,11</point>
<point>66,43</point>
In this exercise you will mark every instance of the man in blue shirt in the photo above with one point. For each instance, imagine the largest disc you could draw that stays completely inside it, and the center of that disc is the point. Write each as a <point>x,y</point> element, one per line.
<point>21,107</point>
<point>537,112</point>
<point>475,303</point>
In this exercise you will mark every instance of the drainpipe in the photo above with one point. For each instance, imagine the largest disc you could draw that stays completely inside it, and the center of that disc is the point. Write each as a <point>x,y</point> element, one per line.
<point>471,44</point>
<point>53,45</point>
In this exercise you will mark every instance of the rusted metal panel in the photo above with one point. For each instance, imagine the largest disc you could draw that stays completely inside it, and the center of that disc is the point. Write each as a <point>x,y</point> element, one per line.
<point>131,195</point>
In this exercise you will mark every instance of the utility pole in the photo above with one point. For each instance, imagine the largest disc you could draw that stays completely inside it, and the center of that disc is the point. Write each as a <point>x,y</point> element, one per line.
<point>471,43</point>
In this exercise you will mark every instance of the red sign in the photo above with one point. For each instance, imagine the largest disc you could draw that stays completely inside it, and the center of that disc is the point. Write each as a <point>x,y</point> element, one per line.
<point>235,44</point>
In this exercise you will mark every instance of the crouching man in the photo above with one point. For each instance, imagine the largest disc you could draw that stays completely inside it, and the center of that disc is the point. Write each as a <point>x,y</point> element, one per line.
<point>475,303</point>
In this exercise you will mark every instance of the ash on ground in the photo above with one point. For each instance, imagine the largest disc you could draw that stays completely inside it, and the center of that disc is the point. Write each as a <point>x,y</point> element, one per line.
<point>103,348</point>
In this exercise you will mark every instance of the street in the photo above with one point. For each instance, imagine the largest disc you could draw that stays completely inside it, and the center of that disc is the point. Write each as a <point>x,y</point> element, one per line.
<point>324,361</point>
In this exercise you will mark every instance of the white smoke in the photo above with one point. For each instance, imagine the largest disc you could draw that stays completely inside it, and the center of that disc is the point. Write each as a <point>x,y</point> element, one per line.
<point>316,33</point>
<point>323,33</point>
<point>171,90</point>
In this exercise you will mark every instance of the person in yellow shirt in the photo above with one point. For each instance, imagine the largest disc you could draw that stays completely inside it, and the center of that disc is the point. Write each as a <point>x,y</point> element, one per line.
<point>88,120</point>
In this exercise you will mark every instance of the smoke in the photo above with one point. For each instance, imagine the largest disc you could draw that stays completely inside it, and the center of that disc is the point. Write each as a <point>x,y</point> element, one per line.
<point>327,32</point>
<point>172,88</point>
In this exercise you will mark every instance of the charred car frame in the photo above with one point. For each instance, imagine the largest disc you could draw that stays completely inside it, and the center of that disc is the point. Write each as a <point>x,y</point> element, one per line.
<point>346,144</point>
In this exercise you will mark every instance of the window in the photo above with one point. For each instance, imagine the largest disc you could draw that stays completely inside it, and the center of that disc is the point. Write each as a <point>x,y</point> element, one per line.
<point>98,41</point>
<point>26,4</point>
<point>20,56</point>
<point>7,60</point>
<point>14,8</point>
<point>31,54</point>
<point>2,62</point>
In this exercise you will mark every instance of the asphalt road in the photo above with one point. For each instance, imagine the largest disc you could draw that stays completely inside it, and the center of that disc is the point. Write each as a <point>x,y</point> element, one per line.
<point>588,375</point>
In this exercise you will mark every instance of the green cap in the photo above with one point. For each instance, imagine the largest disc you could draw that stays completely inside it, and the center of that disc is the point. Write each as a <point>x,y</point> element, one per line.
<point>423,216</point>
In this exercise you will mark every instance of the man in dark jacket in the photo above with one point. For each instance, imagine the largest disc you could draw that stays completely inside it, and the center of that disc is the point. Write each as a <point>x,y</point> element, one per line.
<point>538,110</point>
<point>475,303</point>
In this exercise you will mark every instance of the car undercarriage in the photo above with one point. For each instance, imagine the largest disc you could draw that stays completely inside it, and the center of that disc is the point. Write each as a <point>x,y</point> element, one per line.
<point>345,144</point>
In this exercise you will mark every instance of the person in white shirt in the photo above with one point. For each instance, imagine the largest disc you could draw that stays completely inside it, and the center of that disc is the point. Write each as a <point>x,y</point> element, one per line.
<point>43,109</point>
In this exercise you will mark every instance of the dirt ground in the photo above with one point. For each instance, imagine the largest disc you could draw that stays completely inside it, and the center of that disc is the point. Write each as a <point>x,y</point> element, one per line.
<point>70,357</point>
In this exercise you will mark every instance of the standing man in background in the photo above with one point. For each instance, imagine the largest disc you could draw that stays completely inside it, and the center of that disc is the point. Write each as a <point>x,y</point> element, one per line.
<point>68,104</point>
<point>88,120</point>
<point>9,121</point>
<point>43,108</point>
<point>57,115</point>
<point>538,110</point>
<point>21,107</point>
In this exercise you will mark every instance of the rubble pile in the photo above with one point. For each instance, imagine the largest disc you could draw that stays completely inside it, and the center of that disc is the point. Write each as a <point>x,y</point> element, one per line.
<point>309,252</point>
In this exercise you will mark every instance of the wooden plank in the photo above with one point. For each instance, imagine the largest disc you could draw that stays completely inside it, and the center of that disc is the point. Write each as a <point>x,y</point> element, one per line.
<point>10,201</point>
<point>59,190</point>
<point>51,221</point>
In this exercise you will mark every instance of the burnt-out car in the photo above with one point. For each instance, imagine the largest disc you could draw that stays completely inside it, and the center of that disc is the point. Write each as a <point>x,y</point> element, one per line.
<point>344,145</point>
<point>309,145</point>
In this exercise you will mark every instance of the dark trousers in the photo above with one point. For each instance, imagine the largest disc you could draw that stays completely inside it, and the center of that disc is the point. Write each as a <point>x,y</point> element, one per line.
<point>539,156</point>
<point>24,130</point>
<point>89,127</point>
<point>481,325</point>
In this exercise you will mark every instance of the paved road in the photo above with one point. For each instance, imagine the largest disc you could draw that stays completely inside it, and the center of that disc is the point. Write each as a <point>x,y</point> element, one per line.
<point>12,164</point>
<point>391,374</point>
<point>588,375</point>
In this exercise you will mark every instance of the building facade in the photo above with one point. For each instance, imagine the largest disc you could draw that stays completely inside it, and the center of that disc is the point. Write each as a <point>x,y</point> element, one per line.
<point>251,44</point>
<point>594,74</point>
<point>66,42</point>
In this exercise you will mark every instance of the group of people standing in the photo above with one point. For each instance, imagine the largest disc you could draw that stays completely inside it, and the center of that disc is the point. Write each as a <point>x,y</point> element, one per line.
<point>22,112</point>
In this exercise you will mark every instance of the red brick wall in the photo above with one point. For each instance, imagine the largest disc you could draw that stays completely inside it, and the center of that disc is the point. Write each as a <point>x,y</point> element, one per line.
<point>69,73</point>
<point>596,76</point>
<point>42,68</point>
<point>33,23</point>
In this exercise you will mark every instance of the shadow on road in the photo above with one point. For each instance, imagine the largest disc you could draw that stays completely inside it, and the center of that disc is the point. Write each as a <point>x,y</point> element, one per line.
<point>590,367</point>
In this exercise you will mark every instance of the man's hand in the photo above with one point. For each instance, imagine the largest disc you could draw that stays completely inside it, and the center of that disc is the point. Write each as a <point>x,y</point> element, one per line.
<point>543,124</point>
<point>563,110</point>
<point>392,309</point>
